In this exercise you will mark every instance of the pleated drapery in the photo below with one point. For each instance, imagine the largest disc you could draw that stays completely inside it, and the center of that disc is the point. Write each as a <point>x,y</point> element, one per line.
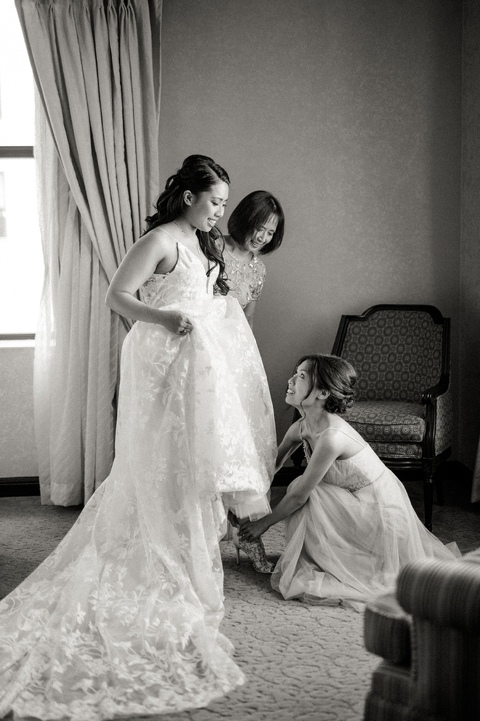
<point>476,478</point>
<point>97,69</point>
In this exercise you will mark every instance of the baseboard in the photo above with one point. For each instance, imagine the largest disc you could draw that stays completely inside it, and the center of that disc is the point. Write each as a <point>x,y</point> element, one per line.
<point>30,486</point>
<point>20,486</point>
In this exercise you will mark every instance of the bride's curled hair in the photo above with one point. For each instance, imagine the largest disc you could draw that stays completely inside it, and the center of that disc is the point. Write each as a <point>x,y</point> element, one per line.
<point>197,174</point>
<point>335,375</point>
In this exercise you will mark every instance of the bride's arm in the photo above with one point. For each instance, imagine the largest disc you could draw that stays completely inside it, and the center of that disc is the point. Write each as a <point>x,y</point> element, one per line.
<point>151,251</point>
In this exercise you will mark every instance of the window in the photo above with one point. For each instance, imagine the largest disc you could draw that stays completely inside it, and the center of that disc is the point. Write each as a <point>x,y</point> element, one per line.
<point>21,260</point>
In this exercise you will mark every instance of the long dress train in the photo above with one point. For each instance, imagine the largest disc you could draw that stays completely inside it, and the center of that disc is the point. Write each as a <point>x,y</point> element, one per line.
<point>352,537</point>
<point>123,618</point>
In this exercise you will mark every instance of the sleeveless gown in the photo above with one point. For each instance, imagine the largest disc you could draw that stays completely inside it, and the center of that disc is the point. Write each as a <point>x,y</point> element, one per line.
<point>123,618</point>
<point>353,535</point>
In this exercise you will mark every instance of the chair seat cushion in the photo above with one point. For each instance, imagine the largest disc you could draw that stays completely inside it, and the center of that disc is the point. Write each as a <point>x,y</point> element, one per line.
<point>388,421</point>
<point>397,451</point>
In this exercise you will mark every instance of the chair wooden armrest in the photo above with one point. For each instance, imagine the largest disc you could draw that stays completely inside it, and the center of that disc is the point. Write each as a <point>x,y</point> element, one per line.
<point>431,394</point>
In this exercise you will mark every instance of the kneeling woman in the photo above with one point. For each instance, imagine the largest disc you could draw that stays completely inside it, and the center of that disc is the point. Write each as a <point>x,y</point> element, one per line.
<point>350,525</point>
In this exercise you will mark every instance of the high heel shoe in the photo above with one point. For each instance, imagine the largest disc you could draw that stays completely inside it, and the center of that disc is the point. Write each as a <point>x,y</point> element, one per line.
<point>255,550</point>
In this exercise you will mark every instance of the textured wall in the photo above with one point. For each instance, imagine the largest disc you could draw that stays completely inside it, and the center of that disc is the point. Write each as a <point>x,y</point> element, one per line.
<point>351,113</point>
<point>17,440</point>
<point>470,243</point>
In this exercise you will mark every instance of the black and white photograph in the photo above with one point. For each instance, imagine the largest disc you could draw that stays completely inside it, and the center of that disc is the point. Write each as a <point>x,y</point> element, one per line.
<point>239,360</point>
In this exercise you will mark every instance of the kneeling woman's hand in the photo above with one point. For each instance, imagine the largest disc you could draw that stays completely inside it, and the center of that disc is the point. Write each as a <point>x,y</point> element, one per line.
<point>251,530</point>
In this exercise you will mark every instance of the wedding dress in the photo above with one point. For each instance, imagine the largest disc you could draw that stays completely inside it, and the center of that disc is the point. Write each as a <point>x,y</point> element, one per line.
<point>123,618</point>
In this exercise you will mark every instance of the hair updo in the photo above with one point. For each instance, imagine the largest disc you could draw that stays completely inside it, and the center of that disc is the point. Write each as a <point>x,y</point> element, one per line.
<point>197,174</point>
<point>335,375</point>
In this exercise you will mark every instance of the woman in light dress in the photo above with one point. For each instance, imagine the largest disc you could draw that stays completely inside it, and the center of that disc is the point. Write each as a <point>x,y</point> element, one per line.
<point>256,227</point>
<point>350,526</point>
<point>122,619</point>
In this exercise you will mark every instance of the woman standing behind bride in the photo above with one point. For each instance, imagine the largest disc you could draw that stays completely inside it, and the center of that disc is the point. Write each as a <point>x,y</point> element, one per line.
<point>255,227</point>
<point>122,619</point>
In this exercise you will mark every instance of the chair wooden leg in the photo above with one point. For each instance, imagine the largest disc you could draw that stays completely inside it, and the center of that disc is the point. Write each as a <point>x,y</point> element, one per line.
<point>428,468</point>
<point>428,503</point>
<point>439,488</point>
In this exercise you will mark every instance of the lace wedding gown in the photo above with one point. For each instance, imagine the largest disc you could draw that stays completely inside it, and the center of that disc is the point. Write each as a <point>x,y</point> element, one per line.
<point>122,618</point>
<point>352,537</point>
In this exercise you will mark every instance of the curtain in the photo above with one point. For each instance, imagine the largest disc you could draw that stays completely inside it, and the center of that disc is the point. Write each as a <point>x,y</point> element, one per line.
<point>476,478</point>
<point>96,65</point>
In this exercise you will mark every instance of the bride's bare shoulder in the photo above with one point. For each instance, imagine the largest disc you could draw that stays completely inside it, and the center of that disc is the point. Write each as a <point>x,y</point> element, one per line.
<point>156,245</point>
<point>160,236</point>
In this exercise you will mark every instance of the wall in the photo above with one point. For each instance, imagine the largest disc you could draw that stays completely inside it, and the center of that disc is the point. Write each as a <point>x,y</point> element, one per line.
<point>470,243</point>
<point>17,440</point>
<point>349,112</point>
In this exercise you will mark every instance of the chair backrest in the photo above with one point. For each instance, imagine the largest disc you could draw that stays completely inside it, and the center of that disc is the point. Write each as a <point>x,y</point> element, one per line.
<point>398,351</point>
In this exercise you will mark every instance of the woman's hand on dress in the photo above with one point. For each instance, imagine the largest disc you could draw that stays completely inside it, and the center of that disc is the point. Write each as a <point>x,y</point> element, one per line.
<point>176,322</point>
<point>251,530</point>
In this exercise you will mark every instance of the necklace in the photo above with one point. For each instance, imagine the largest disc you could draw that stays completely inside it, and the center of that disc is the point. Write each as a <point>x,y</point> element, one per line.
<point>193,238</point>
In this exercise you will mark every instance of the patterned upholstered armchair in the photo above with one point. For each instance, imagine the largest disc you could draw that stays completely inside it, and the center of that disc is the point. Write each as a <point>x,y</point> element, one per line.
<point>428,636</point>
<point>403,403</point>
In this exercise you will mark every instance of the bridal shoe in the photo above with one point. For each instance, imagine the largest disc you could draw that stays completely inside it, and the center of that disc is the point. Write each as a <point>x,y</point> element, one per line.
<point>255,550</point>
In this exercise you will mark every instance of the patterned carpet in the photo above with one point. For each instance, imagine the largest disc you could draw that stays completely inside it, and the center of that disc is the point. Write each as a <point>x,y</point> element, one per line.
<point>302,663</point>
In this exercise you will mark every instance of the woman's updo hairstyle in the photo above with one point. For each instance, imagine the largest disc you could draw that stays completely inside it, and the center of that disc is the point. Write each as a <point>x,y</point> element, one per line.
<point>335,375</point>
<point>253,211</point>
<point>197,174</point>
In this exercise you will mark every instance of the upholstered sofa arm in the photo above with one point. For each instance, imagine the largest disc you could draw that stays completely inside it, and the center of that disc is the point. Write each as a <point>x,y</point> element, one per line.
<point>444,592</point>
<point>386,630</point>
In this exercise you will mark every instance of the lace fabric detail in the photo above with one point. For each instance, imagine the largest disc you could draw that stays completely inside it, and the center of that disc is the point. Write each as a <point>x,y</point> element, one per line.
<point>123,618</point>
<point>245,278</point>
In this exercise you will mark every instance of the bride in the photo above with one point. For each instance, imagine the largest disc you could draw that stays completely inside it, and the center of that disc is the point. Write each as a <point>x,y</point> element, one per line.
<point>123,617</point>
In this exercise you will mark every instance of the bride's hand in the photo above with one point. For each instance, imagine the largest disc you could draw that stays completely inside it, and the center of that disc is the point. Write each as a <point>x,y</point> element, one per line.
<point>176,322</point>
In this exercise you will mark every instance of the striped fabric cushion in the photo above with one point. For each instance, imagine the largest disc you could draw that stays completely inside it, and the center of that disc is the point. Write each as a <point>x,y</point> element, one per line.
<point>387,630</point>
<point>392,685</point>
<point>444,592</point>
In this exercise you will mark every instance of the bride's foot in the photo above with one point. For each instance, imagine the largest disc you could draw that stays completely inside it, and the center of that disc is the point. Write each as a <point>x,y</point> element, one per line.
<point>255,550</point>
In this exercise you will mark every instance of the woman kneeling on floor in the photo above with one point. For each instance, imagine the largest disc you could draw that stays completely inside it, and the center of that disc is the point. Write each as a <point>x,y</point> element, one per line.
<point>350,525</point>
